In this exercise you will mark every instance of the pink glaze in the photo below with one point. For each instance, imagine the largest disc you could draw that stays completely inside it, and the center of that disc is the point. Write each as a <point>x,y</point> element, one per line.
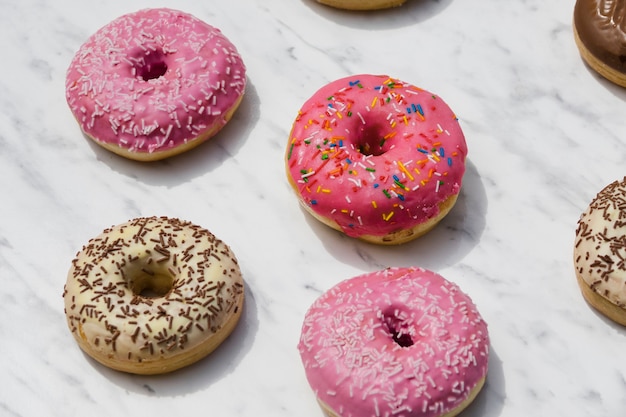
<point>401,342</point>
<point>153,80</point>
<point>375,154</point>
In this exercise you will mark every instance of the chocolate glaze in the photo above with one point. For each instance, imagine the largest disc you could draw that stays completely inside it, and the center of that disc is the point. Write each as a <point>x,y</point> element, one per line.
<point>601,26</point>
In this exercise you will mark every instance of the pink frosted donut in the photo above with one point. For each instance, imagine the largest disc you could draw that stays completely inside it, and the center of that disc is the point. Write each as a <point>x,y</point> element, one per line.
<point>154,83</point>
<point>402,341</point>
<point>376,158</point>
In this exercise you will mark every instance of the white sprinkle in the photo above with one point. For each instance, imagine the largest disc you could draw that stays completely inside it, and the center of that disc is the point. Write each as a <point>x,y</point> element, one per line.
<point>168,132</point>
<point>356,182</point>
<point>401,409</point>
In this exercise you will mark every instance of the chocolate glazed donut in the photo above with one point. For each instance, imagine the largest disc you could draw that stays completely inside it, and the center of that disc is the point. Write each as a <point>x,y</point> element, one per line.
<point>600,33</point>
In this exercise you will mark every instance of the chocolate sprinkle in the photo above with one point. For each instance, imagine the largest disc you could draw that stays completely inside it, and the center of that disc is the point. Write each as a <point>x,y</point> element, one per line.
<point>104,299</point>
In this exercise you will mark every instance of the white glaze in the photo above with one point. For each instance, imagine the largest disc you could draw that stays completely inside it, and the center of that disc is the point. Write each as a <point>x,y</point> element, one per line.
<point>152,295</point>
<point>544,133</point>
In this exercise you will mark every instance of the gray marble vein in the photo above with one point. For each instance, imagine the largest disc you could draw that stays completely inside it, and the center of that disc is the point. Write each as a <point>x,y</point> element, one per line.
<point>545,134</point>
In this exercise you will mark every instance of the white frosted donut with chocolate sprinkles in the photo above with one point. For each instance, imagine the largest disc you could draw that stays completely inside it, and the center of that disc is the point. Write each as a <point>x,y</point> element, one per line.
<point>153,295</point>
<point>154,83</point>
<point>600,252</point>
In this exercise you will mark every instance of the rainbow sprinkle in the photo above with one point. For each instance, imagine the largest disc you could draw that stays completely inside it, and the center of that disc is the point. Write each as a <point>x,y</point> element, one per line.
<point>339,171</point>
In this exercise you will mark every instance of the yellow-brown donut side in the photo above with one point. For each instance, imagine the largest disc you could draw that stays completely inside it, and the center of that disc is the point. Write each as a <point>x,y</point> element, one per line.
<point>394,238</point>
<point>162,366</point>
<point>153,295</point>
<point>601,304</point>
<point>362,4</point>
<point>167,153</point>
<point>596,64</point>
<point>452,413</point>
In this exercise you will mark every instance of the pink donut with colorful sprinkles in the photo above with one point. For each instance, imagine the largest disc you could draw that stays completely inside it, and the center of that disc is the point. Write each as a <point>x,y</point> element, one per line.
<point>155,83</point>
<point>376,158</point>
<point>397,342</point>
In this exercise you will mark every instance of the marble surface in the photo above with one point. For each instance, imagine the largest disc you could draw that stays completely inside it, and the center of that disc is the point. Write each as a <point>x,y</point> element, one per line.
<point>544,134</point>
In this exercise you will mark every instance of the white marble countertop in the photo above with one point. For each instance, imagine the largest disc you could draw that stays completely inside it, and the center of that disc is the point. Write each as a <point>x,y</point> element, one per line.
<point>544,134</point>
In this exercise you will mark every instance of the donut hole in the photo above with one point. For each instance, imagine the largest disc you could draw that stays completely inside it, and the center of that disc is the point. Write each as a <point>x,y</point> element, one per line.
<point>148,283</point>
<point>150,65</point>
<point>396,323</point>
<point>369,140</point>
